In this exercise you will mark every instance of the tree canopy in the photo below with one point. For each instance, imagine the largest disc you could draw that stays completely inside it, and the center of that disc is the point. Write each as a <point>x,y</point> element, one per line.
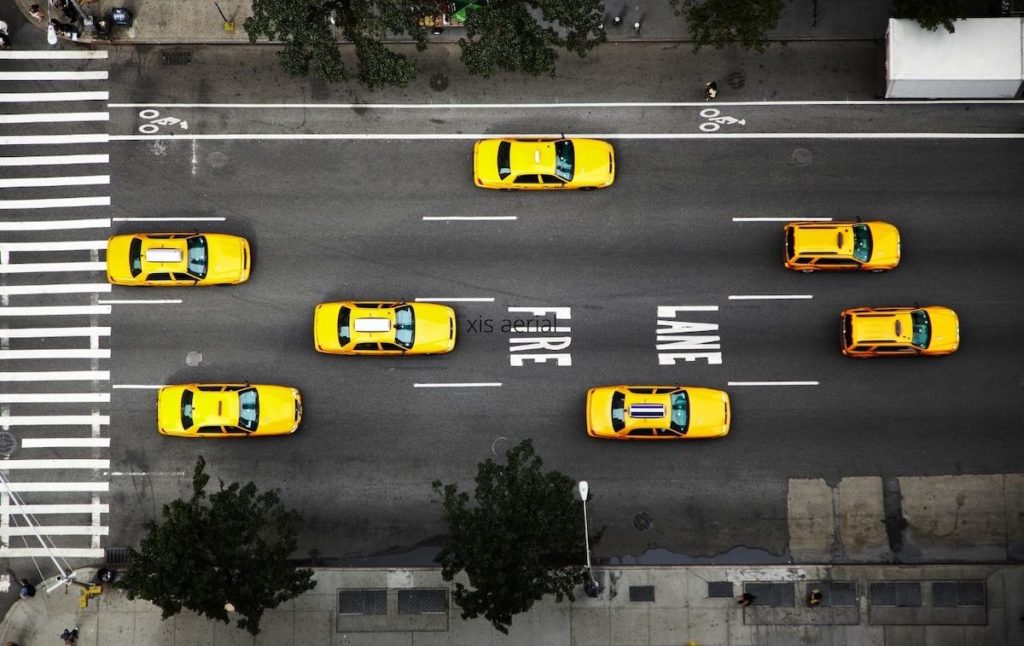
<point>930,14</point>
<point>229,547</point>
<point>520,539</point>
<point>723,22</point>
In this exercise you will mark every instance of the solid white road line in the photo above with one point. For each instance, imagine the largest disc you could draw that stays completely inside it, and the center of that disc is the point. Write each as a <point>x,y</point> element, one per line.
<point>639,136</point>
<point>58,464</point>
<point>155,301</point>
<point>74,180</point>
<point>35,140</point>
<point>481,384</point>
<point>54,160</point>
<point>55,398</point>
<point>56,442</point>
<point>36,267</point>
<point>455,299</point>
<point>73,245</point>
<point>55,487</point>
<point>138,386</point>
<point>210,219</point>
<point>56,202</point>
<point>59,353</point>
<point>54,117</point>
<point>512,106</point>
<point>57,375</point>
<point>770,297</point>
<point>773,383</point>
<point>46,332</point>
<point>53,420</point>
<point>55,310</point>
<point>793,219</point>
<point>50,552</point>
<point>58,530</point>
<point>64,288</point>
<point>52,76</point>
<point>58,225</point>
<point>430,218</point>
<point>54,53</point>
<point>39,97</point>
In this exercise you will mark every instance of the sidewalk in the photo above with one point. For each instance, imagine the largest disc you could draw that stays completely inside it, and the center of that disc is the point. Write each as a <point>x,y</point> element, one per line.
<point>863,604</point>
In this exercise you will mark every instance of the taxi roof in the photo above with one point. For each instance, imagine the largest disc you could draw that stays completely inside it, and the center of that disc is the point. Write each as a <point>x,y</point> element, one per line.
<point>533,156</point>
<point>830,238</point>
<point>885,327</point>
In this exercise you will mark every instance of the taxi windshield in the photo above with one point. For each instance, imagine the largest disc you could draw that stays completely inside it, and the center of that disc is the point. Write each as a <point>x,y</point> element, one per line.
<point>861,242</point>
<point>922,329</point>
<point>618,411</point>
<point>135,257</point>
<point>197,257</point>
<point>680,412</point>
<point>404,323</point>
<point>186,409</point>
<point>248,409</point>
<point>564,159</point>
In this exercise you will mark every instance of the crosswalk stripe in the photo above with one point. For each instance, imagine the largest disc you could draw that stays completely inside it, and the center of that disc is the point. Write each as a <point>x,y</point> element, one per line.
<point>62,552</point>
<point>41,97</point>
<point>58,353</point>
<point>54,160</point>
<point>54,53</point>
<point>55,487</point>
<point>54,117</point>
<point>31,140</point>
<point>59,530</point>
<point>57,464</point>
<point>53,420</point>
<point>62,288</point>
<point>72,245</point>
<point>60,225</point>
<point>54,398</point>
<point>56,375</point>
<point>37,267</point>
<point>47,332</point>
<point>74,180</point>
<point>46,75</point>
<point>56,202</point>
<point>56,310</point>
<point>54,442</point>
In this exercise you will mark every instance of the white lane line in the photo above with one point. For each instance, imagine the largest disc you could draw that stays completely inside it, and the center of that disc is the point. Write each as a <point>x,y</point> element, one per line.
<point>58,464</point>
<point>54,160</point>
<point>773,383</point>
<point>46,332</point>
<point>154,219</point>
<point>155,301</point>
<point>74,180</point>
<point>769,297</point>
<point>58,225</point>
<point>56,442</point>
<point>52,76</point>
<point>639,136</point>
<point>50,552</point>
<point>53,420</point>
<point>64,288</point>
<point>40,97</point>
<point>506,106</point>
<point>57,375</point>
<point>138,386</point>
<point>58,353</point>
<point>54,53</point>
<point>480,384</point>
<point>73,245</point>
<point>54,117</point>
<point>58,530</point>
<point>148,474</point>
<point>34,267</point>
<point>792,219</point>
<point>455,299</point>
<point>432,218</point>
<point>55,398</point>
<point>34,140</point>
<point>56,202</point>
<point>57,487</point>
<point>55,310</point>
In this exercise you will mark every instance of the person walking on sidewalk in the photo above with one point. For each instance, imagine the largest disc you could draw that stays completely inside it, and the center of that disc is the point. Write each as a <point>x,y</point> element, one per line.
<point>746,599</point>
<point>70,636</point>
<point>710,91</point>
<point>814,598</point>
<point>27,589</point>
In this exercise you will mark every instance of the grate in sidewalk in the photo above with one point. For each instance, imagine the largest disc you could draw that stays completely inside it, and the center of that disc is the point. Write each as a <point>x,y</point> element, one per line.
<point>720,590</point>
<point>902,594</point>
<point>422,601</point>
<point>116,556</point>
<point>362,601</point>
<point>641,593</point>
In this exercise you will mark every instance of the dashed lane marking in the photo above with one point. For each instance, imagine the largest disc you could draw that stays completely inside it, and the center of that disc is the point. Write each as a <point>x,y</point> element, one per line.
<point>773,383</point>
<point>455,299</point>
<point>154,301</point>
<point>482,384</point>
<point>769,297</point>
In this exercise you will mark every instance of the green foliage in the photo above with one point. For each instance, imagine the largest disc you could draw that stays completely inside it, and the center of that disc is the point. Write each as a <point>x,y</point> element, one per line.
<point>504,34</point>
<point>379,66</point>
<point>929,13</point>
<point>724,22</point>
<point>231,546</point>
<point>522,540</point>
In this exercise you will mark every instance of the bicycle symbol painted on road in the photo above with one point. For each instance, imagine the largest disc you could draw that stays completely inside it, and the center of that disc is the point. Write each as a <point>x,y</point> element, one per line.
<point>155,121</point>
<point>714,121</point>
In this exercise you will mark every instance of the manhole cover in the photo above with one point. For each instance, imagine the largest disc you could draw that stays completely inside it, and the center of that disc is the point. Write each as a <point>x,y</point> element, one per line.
<point>217,159</point>
<point>193,359</point>
<point>643,521</point>
<point>736,80</point>
<point>439,82</point>
<point>175,58</point>
<point>7,444</point>
<point>801,157</point>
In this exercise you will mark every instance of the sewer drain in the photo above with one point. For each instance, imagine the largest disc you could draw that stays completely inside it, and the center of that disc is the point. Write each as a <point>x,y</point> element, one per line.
<point>438,82</point>
<point>7,444</point>
<point>192,359</point>
<point>801,157</point>
<point>736,80</point>
<point>643,521</point>
<point>175,58</point>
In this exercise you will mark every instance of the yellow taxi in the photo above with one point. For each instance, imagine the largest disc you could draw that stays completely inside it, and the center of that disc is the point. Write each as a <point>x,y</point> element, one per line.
<point>657,413</point>
<point>543,164</point>
<point>228,410</point>
<point>841,246</point>
<point>176,259</point>
<point>899,331</point>
<point>383,328</point>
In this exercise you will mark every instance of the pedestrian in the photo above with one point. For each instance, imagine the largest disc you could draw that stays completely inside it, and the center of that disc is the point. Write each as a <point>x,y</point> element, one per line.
<point>70,636</point>
<point>710,91</point>
<point>27,589</point>
<point>814,598</point>
<point>36,12</point>
<point>746,599</point>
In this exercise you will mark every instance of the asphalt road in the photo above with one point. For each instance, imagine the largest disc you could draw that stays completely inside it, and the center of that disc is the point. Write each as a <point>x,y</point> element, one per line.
<point>345,219</point>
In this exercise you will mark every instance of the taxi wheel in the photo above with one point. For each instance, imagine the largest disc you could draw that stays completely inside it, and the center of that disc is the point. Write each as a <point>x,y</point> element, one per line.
<point>877,271</point>
<point>587,188</point>
<point>807,271</point>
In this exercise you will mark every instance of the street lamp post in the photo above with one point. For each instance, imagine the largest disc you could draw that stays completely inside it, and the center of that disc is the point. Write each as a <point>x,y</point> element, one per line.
<point>591,586</point>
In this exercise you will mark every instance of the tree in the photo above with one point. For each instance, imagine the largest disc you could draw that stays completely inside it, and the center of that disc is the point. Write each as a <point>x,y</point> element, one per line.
<point>929,13</point>
<point>522,540</point>
<point>723,22</point>
<point>229,547</point>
